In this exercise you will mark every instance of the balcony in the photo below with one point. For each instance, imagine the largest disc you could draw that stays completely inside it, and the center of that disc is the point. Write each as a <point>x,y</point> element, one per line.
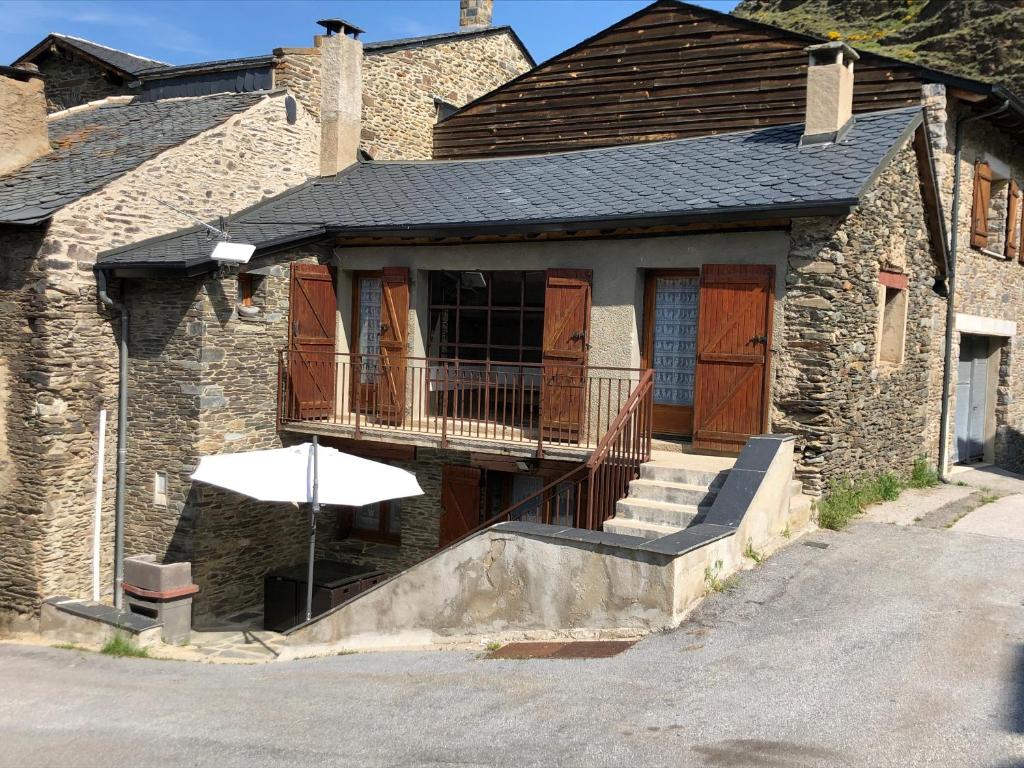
<point>518,409</point>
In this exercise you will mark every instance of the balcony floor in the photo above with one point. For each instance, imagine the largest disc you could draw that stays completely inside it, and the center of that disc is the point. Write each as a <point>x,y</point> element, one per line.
<point>512,444</point>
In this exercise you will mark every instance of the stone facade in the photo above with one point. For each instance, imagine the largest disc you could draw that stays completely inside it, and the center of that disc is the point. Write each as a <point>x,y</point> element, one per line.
<point>986,286</point>
<point>400,86</point>
<point>72,80</point>
<point>59,345</point>
<point>852,414</point>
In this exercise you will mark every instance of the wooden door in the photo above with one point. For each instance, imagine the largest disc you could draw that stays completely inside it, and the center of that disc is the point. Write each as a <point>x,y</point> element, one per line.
<point>312,312</point>
<point>670,346</point>
<point>566,341</point>
<point>734,329</point>
<point>460,502</point>
<point>394,336</point>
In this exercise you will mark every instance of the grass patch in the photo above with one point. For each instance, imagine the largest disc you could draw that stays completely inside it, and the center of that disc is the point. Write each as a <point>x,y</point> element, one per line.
<point>714,582</point>
<point>923,474</point>
<point>68,647</point>
<point>752,553</point>
<point>987,497</point>
<point>848,498</point>
<point>493,645</point>
<point>121,645</point>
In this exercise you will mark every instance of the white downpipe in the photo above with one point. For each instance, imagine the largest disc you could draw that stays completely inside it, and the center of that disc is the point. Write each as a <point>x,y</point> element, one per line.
<point>98,509</point>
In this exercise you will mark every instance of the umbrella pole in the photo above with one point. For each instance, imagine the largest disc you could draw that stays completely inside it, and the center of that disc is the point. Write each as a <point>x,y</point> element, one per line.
<point>314,508</point>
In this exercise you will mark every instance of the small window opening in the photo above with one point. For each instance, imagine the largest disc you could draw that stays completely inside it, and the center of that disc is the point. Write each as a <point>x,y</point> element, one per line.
<point>246,289</point>
<point>892,334</point>
<point>160,489</point>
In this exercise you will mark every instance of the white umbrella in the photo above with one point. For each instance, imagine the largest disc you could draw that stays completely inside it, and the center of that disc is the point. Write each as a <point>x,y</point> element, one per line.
<point>307,474</point>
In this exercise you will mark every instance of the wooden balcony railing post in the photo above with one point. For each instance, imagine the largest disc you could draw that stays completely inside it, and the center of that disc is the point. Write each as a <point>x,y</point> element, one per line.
<point>444,409</point>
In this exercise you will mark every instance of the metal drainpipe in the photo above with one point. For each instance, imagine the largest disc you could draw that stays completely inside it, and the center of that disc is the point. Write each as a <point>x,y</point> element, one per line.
<point>947,362</point>
<point>122,431</point>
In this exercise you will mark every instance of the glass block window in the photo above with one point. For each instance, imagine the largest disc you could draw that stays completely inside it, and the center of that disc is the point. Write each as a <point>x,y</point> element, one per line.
<point>675,339</point>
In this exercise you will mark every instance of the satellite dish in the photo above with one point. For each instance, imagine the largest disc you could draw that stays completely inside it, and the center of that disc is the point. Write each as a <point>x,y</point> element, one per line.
<point>233,253</point>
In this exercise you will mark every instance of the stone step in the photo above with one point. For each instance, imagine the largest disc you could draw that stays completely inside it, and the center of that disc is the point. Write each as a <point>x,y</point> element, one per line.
<point>674,493</point>
<point>796,487</point>
<point>629,527</point>
<point>671,472</point>
<point>661,512</point>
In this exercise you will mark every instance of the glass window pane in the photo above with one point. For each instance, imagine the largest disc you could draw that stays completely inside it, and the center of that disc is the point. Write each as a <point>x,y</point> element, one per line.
<point>367,518</point>
<point>533,329</point>
<point>444,287</point>
<point>473,289</point>
<point>473,326</point>
<point>534,289</point>
<point>369,315</point>
<point>506,289</point>
<point>505,327</point>
<point>505,355</point>
<point>675,339</point>
<point>442,330</point>
<point>472,353</point>
<point>394,517</point>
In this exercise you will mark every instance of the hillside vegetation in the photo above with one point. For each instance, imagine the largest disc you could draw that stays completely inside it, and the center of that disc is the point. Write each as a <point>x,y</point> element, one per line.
<point>976,38</point>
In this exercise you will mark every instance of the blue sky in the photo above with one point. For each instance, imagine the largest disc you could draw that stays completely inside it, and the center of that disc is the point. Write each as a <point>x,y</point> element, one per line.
<point>183,31</point>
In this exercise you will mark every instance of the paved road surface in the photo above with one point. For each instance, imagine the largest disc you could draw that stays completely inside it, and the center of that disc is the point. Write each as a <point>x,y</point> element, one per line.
<point>895,646</point>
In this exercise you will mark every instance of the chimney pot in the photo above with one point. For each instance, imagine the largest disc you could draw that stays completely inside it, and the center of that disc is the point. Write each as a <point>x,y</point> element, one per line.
<point>475,14</point>
<point>829,91</point>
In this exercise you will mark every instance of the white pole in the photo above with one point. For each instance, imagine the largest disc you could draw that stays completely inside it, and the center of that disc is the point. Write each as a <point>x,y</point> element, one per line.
<point>97,511</point>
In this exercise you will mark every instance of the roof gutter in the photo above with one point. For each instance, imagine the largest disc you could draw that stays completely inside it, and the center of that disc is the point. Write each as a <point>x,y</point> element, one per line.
<point>122,430</point>
<point>947,360</point>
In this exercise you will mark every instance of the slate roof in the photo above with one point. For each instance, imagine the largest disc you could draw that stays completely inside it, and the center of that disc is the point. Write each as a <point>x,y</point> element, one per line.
<point>219,65</point>
<point>94,146</point>
<point>128,63</point>
<point>732,176</point>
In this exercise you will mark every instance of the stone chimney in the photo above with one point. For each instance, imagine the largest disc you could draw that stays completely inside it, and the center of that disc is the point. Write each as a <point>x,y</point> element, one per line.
<point>23,132</point>
<point>341,95</point>
<point>475,14</point>
<point>829,91</point>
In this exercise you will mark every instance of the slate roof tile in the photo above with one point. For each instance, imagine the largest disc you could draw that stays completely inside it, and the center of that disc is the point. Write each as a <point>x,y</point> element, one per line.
<point>95,146</point>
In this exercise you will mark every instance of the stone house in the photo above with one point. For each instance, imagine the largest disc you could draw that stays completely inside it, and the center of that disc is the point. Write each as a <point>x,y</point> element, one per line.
<point>115,171</point>
<point>486,322</point>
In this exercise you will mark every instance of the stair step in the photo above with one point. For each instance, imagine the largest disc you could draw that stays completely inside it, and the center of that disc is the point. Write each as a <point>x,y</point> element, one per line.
<point>661,512</point>
<point>674,493</point>
<point>647,530</point>
<point>671,472</point>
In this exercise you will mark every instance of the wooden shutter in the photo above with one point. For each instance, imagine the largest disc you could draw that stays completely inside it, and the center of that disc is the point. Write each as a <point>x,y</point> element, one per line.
<point>460,502</point>
<point>979,208</point>
<point>566,341</point>
<point>312,311</point>
<point>734,329</point>
<point>1012,221</point>
<point>1020,229</point>
<point>394,336</point>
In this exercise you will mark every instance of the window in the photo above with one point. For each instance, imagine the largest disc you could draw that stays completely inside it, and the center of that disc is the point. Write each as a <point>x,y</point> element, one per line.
<point>893,320</point>
<point>246,288</point>
<point>495,316</point>
<point>375,522</point>
<point>996,211</point>
<point>160,489</point>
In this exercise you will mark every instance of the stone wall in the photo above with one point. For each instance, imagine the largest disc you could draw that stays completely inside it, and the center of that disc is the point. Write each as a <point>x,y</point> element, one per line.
<point>60,344</point>
<point>399,87</point>
<point>854,415</point>
<point>72,80</point>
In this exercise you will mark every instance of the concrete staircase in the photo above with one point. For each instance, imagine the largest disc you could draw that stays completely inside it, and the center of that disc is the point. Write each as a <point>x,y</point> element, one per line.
<point>674,489</point>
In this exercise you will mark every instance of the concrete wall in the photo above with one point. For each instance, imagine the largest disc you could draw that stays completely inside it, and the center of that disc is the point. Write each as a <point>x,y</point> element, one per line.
<point>507,583</point>
<point>618,283</point>
<point>60,345</point>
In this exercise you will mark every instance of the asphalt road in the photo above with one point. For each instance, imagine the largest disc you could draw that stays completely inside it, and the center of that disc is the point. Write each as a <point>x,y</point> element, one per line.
<point>895,646</point>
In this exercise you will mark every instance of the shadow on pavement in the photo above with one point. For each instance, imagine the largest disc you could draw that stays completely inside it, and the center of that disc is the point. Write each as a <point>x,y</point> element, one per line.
<point>1016,708</point>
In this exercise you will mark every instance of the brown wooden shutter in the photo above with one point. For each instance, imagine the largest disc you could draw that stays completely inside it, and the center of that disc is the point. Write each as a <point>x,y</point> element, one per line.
<point>566,341</point>
<point>1020,228</point>
<point>979,208</point>
<point>460,502</point>
<point>312,311</point>
<point>1012,221</point>
<point>394,336</point>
